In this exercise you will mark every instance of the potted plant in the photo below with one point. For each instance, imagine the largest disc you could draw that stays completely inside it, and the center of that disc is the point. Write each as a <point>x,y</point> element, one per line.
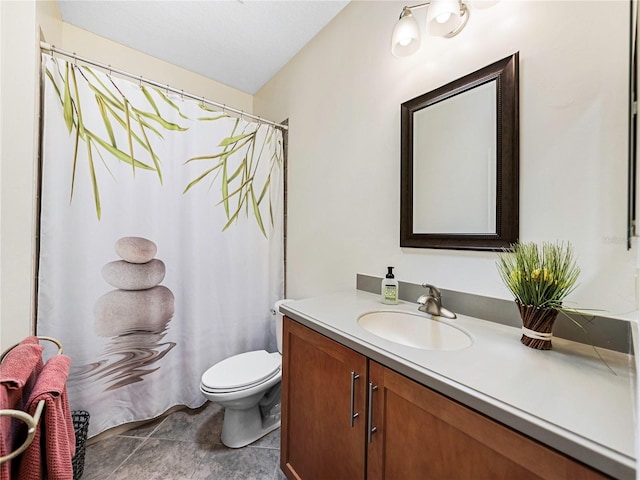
<point>540,278</point>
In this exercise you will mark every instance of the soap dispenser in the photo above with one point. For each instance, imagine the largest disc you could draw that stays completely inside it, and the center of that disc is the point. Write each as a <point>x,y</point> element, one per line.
<point>389,292</point>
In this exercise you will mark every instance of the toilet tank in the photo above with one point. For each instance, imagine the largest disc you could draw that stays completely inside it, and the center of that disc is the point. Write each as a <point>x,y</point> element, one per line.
<point>278,319</point>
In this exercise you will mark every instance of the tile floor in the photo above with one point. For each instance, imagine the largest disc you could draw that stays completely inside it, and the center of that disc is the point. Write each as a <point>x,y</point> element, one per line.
<point>183,445</point>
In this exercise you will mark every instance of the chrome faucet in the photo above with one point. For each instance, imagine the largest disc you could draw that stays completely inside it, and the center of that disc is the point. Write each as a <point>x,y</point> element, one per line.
<point>432,303</point>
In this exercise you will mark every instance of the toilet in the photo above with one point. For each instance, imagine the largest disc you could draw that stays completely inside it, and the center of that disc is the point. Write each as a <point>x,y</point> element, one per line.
<point>247,385</point>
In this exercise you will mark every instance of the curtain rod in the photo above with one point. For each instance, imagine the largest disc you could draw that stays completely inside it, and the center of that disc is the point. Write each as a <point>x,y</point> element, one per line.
<point>225,108</point>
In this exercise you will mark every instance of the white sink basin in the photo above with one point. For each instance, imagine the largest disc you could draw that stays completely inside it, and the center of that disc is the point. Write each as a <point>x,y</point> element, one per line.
<point>414,330</point>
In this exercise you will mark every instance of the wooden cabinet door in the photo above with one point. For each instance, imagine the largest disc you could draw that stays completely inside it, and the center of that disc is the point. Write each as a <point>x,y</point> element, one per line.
<point>421,434</point>
<point>320,440</point>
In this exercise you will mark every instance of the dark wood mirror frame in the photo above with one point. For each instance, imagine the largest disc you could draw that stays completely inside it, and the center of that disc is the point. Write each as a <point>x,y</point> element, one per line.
<point>505,73</point>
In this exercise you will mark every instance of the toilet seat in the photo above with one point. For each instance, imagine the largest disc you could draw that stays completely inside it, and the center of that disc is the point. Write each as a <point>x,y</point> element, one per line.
<point>241,372</point>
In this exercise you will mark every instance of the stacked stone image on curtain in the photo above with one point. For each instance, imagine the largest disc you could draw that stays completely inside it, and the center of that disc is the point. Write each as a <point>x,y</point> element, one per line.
<point>135,315</point>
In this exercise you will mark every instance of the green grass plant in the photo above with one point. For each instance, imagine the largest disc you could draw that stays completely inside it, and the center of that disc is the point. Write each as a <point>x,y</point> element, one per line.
<point>539,275</point>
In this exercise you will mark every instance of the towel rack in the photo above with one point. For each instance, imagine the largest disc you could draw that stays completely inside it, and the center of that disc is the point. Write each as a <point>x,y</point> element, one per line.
<point>32,424</point>
<point>31,421</point>
<point>48,339</point>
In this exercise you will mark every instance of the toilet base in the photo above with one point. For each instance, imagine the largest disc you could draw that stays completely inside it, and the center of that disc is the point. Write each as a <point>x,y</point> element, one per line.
<point>242,427</point>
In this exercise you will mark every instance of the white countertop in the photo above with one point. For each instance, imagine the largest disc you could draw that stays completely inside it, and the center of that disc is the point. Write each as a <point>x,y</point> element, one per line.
<point>566,397</point>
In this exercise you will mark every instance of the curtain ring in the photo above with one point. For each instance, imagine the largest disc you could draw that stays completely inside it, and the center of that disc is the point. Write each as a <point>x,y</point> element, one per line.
<point>140,80</point>
<point>182,95</point>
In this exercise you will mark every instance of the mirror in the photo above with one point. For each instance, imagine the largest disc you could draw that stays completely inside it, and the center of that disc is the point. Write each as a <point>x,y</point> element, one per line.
<point>459,162</point>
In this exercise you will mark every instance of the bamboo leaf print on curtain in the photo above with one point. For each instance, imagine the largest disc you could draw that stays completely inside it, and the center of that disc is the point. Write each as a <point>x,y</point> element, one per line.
<point>238,184</point>
<point>115,110</point>
<point>142,123</point>
<point>159,216</point>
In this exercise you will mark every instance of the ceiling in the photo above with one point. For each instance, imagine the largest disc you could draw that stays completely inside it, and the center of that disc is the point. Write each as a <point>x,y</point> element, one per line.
<point>240,43</point>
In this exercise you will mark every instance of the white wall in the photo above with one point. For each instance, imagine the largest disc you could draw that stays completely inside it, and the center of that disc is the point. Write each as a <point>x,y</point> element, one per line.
<point>2,15</point>
<point>21,23</point>
<point>105,51</point>
<point>342,95</point>
<point>18,98</point>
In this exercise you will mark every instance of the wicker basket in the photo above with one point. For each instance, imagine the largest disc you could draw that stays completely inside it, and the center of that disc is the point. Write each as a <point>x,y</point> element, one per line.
<point>81,426</point>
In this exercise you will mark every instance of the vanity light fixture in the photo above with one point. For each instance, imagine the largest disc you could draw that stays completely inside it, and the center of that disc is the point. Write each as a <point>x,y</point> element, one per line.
<point>445,18</point>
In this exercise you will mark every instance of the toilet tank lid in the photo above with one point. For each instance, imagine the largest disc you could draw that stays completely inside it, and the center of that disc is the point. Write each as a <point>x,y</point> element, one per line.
<point>242,370</point>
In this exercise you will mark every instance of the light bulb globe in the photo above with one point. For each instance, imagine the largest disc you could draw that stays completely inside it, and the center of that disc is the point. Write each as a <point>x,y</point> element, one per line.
<point>445,18</point>
<point>405,38</point>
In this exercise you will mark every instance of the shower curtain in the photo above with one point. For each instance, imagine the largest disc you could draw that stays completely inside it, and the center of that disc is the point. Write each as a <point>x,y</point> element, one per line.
<point>161,238</point>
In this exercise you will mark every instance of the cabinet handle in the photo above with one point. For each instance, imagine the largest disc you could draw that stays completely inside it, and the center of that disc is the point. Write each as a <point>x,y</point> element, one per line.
<point>353,415</point>
<point>371,429</point>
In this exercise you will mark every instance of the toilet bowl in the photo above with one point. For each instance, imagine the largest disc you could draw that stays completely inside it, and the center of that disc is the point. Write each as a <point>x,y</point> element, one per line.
<point>247,385</point>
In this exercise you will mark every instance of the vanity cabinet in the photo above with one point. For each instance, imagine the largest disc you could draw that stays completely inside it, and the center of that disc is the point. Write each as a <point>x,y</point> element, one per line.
<point>401,430</point>
<point>421,434</point>
<point>323,407</point>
